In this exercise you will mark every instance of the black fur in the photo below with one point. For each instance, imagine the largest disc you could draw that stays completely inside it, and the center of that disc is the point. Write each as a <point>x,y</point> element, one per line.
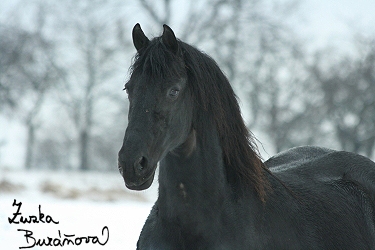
<point>214,191</point>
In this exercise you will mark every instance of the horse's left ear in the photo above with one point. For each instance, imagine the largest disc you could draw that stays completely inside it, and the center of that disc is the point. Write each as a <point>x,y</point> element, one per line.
<point>169,39</point>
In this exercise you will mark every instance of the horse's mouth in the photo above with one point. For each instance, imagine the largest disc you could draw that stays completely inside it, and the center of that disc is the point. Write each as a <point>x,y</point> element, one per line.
<point>143,184</point>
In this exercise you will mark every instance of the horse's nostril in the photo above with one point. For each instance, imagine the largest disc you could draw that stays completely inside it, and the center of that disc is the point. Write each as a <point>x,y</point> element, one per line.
<point>140,164</point>
<point>140,161</point>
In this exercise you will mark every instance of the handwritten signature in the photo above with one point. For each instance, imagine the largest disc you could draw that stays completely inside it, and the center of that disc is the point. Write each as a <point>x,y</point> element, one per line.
<point>31,218</point>
<point>68,239</point>
<point>61,240</point>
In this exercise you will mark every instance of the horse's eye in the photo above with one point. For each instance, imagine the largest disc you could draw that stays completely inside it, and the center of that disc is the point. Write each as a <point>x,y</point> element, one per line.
<point>173,93</point>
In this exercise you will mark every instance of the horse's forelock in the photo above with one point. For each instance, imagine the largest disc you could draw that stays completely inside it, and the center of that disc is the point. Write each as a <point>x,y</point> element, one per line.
<point>157,61</point>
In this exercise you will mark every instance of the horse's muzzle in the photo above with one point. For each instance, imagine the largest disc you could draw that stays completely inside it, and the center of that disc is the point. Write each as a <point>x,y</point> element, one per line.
<point>138,174</point>
<point>143,186</point>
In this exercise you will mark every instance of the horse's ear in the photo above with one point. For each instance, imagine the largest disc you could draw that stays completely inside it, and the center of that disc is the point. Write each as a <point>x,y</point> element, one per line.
<point>169,39</point>
<point>139,38</point>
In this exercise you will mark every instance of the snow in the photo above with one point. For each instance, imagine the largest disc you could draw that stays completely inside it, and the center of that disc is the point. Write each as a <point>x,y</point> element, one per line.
<point>82,203</point>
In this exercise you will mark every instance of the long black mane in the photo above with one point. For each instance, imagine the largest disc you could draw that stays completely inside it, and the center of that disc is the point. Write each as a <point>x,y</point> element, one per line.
<point>215,102</point>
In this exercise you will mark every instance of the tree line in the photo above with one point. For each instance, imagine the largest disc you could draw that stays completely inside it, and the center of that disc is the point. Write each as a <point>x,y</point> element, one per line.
<point>62,68</point>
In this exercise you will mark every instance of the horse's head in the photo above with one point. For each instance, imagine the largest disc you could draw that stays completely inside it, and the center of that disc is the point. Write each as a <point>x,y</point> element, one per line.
<point>160,111</point>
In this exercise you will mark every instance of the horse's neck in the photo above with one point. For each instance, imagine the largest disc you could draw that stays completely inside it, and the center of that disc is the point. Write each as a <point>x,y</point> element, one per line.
<point>192,180</point>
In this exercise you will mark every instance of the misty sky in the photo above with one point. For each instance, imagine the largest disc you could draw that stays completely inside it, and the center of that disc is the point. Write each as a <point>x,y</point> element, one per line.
<point>332,22</point>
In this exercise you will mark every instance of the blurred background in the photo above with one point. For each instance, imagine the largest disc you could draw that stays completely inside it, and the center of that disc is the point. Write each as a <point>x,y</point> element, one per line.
<point>304,72</point>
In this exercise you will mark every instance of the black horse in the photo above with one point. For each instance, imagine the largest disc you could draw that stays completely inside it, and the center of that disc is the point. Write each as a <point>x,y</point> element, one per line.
<point>214,190</point>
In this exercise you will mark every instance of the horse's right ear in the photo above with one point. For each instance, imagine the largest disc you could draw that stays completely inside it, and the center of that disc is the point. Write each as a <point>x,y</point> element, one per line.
<point>139,38</point>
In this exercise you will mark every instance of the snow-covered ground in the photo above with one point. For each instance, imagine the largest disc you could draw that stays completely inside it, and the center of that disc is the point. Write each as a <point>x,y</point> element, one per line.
<point>84,204</point>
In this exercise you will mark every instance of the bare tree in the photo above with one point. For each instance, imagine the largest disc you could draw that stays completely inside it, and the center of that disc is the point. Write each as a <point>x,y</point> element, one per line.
<point>9,57</point>
<point>348,85</point>
<point>262,57</point>
<point>28,70</point>
<point>88,88</point>
<point>87,73</point>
